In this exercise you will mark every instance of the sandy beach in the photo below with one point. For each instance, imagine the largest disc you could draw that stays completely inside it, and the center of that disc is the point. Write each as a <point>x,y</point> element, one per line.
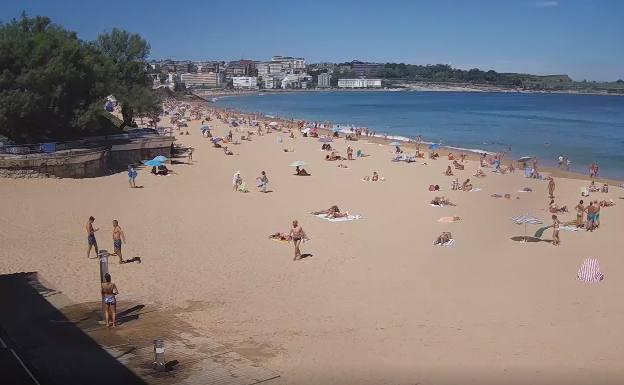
<point>375,302</point>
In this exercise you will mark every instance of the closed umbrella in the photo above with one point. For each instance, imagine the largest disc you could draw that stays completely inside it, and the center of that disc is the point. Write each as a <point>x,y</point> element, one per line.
<point>524,219</point>
<point>298,163</point>
<point>525,159</point>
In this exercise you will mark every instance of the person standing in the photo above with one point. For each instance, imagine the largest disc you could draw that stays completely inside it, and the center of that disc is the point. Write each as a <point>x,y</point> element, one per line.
<point>349,153</point>
<point>92,242</point>
<point>263,181</point>
<point>555,225</point>
<point>237,181</point>
<point>551,188</point>
<point>109,291</point>
<point>560,161</point>
<point>190,154</point>
<point>297,235</point>
<point>132,174</point>
<point>118,237</point>
<point>580,209</point>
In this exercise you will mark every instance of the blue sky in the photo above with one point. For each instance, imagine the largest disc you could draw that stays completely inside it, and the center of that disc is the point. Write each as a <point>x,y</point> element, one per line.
<point>583,38</point>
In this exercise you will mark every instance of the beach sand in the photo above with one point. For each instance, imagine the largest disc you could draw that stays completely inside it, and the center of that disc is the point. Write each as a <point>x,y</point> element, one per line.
<point>376,302</point>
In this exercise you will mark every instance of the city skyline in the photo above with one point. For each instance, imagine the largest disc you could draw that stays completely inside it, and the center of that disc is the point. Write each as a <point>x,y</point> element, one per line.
<point>573,37</point>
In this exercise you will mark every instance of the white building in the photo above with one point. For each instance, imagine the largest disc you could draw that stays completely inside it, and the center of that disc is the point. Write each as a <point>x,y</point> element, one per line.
<point>245,82</point>
<point>324,80</point>
<point>359,83</point>
<point>200,79</point>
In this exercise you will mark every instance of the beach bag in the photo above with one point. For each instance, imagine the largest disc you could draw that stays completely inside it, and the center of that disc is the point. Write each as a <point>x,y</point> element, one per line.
<point>590,271</point>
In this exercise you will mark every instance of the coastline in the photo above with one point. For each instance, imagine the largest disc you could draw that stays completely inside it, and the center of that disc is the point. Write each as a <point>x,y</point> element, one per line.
<point>383,139</point>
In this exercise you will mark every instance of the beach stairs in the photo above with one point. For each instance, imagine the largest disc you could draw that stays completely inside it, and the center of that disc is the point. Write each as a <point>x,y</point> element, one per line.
<point>66,343</point>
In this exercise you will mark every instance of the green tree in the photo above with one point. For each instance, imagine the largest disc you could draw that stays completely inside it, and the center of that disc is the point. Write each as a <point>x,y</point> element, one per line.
<point>132,88</point>
<point>52,85</point>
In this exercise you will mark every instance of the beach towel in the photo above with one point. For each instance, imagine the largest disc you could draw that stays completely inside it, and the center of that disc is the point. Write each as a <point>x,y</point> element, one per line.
<point>449,243</point>
<point>590,271</point>
<point>476,189</point>
<point>568,228</point>
<point>524,190</point>
<point>343,219</point>
<point>432,205</point>
<point>449,219</point>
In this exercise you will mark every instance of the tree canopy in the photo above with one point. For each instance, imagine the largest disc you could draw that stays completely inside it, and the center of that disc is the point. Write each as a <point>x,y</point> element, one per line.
<point>53,85</point>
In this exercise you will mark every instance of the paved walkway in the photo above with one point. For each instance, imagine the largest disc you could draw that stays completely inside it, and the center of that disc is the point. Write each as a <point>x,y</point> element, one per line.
<point>70,346</point>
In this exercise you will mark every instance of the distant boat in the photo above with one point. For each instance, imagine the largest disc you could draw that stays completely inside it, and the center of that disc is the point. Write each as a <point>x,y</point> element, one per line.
<point>214,100</point>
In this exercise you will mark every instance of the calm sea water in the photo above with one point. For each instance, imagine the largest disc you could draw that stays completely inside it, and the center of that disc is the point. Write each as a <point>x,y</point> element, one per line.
<point>585,128</point>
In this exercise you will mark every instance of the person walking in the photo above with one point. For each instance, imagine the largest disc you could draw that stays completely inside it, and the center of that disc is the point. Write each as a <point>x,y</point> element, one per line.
<point>263,181</point>
<point>118,237</point>
<point>132,174</point>
<point>91,241</point>
<point>109,292</point>
<point>551,188</point>
<point>297,235</point>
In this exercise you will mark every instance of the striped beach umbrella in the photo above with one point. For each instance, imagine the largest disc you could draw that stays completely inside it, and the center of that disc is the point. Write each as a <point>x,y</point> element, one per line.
<point>525,219</point>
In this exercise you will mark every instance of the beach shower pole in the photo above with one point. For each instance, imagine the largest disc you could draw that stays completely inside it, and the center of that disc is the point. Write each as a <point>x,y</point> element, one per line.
<point>159,355</point>
<point>103,257</point>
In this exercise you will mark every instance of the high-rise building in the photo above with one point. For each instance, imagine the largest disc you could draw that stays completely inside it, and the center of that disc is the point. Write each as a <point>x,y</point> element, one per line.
<point>324,80</point>
<point>359,83</point>
<point>200,79</point>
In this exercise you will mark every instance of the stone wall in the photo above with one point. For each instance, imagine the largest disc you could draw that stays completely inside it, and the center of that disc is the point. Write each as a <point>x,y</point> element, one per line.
<point>63,164</point>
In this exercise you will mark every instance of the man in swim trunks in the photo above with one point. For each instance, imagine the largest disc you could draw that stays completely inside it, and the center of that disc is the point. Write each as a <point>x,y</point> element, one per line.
<point>91,237</point>
<point>118,236</point>
<point>297,235</point>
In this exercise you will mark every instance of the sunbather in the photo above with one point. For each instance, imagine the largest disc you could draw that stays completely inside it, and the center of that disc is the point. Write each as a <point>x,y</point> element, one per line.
<point>433,155</point>
<point>605,203</point>
<point>457,165</point>
<point>479,174</point>
<point>592,187</point>
<point>451,156</point>
<point>332,212</point>
<point>434,187</point>
<point>333,156</point>
<point>449,171</point>
<point>226,151</point>
<point>554,208</point>
<point>455,185</point>
<point>281,237</point>
<point>375,177</point>
<point>466,186</point>
<point>445,237</point>
<point>301,171</point>
<point>605,188</point>
<point>441,201</point>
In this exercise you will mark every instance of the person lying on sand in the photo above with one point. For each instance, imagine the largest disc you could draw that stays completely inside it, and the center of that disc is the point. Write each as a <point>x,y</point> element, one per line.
<point>281,237</point>
<point>441,201</point>
<point>449,171</point>
<point>605,188</point>
<point>605,203</point>
<point>433,155</point>
<point>289,150</point>
<point>554,208</point>
<point>443,238</point>
<point>301,171</point>
<point>332,212</point>
<point>592,187</point>
<point>226,151</point>
<point>479,174</point>
<point>333,156</point>
<point>457,165</point>
<point>466,186</point>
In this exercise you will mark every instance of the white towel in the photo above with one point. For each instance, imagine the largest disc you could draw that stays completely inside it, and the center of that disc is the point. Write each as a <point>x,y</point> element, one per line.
<point>476,189</point>
<point>342,219</point>
<point>590,271</point>
<point>568,228</point>
<point>432,205</point>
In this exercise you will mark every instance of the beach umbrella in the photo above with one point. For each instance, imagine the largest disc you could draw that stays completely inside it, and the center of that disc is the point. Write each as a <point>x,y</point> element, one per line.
<point>434,146</point>
<point>298,163</point>
<point>152,163</point>
<point>525,158</point>
<point>273,124</point>
<point>161,158</point>
<point>336,129</point>
<point>204,127</point>
<point>526,219</point>
<point>325,139</point>
<point>395,144</point>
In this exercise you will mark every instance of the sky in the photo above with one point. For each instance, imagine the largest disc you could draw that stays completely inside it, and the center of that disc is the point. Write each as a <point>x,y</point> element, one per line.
<point>581,38</point>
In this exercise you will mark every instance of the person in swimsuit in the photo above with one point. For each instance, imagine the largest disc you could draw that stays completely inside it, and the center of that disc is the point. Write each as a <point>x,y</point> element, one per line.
<point>556,241</point>
<point>580,209</point>
<point>118,236</point>
<point>92,242</point>
<point>596,214</point>
<point>109,291</point>
<point>591,211</point>
<point>132,174</point>
<point>551,188</point>
<point>297,235</point>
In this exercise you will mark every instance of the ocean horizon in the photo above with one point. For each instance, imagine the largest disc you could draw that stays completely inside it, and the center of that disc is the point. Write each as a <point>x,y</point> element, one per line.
<point>584,128</point>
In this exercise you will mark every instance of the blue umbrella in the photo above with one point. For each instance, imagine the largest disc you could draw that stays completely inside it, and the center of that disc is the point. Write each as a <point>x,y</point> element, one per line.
<point>434,146</point>
<point>204,127</point>
<point>161,159</point>
<point>152,163</point>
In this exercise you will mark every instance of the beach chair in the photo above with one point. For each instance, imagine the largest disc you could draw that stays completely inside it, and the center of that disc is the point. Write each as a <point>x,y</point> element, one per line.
<point>584,192</point>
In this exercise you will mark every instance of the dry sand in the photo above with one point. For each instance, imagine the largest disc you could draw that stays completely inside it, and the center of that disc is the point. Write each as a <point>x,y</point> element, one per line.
<point>376,303</point>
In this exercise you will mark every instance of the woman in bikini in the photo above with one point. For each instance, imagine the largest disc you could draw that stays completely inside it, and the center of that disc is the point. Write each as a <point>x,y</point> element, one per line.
<point>556,241</point>
<point>109,291</point>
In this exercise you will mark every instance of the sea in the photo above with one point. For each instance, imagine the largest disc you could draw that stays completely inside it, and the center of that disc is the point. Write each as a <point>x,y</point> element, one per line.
<point>583,128</point>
